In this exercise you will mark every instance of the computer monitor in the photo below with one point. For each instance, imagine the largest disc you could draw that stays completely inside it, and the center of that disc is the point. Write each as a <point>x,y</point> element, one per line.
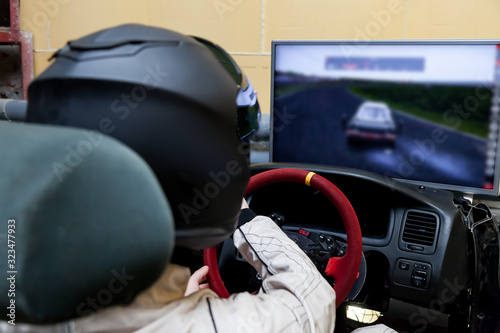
<point>425,112</point>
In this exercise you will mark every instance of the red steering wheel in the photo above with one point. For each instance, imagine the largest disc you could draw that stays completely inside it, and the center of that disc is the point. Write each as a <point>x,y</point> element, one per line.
<point>343,269</point>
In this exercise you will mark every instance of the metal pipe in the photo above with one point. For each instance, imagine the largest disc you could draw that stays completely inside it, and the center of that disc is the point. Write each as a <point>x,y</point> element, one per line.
<point>13,109</point>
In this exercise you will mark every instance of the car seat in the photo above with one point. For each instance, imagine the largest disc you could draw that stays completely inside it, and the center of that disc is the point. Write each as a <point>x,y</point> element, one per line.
<point>84,220</point>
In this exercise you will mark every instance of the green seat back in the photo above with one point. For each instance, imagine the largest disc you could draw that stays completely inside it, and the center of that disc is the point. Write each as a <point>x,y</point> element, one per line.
<point>92,226</point>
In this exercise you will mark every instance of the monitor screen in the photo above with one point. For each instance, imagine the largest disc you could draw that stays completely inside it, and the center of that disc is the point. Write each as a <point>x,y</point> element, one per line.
<point>425,112</point>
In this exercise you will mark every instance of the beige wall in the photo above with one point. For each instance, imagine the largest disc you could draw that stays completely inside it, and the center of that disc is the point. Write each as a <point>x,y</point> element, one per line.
<point>246,28</point>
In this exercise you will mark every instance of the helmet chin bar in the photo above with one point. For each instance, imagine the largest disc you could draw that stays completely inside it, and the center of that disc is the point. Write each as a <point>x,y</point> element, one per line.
<point>343,269</point>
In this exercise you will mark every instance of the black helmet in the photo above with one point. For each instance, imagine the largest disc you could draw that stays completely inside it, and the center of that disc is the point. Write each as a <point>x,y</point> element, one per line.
<point>248,106</point>
<point>166,96</point>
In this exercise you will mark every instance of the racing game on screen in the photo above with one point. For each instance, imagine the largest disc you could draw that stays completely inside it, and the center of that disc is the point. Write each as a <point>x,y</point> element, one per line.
<point>424,113</point>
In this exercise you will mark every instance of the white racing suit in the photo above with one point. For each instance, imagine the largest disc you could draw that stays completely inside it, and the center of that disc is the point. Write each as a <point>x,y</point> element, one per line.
<point>294,297</point>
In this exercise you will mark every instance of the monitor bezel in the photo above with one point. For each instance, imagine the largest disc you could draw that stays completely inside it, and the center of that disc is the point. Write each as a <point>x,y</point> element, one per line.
<point>466,190</point>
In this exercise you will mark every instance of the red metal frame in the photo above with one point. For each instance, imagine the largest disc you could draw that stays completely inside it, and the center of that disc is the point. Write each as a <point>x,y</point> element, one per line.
<point>24,39</point>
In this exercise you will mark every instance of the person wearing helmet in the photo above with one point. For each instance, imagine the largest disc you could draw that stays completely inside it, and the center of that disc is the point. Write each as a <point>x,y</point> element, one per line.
<point>169,98</point>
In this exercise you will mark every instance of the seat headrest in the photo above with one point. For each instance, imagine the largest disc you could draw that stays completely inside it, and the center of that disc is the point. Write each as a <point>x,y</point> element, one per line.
<point>92,226</point>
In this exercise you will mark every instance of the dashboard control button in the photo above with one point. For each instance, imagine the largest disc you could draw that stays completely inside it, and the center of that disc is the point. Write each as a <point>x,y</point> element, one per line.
<point>404,265</point>
<point>412,273</point>
<point>278,219</point>
<point>321,237</point>
<point>418,278</point>
<point>329,240</point>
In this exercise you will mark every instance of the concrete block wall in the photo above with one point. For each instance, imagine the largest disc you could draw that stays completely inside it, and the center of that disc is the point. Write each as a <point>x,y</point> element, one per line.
<point>245,28</point>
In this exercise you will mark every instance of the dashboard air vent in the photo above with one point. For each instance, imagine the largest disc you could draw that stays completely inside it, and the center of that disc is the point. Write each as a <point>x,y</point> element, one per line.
<point>420,228</point>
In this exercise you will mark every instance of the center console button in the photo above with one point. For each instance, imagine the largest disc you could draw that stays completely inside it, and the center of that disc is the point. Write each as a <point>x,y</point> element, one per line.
<point>404,265</point>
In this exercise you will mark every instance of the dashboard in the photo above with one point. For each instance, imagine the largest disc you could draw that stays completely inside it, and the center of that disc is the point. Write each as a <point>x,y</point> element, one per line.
<point>415,239</point>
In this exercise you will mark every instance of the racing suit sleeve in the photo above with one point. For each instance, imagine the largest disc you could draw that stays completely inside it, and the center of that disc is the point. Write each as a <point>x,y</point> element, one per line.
<point>294,296</point>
